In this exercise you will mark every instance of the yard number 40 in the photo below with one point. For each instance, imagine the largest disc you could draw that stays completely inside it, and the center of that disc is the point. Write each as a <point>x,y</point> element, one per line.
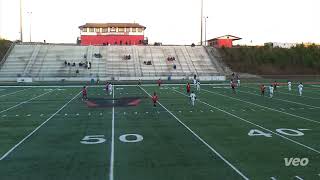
<point>283,131</point>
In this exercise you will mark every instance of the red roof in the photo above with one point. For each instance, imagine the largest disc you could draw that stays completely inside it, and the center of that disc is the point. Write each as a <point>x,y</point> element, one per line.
<point>106,25</point>
<point>226,37</point>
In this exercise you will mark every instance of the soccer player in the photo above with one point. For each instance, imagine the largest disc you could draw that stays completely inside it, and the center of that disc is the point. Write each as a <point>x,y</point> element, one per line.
<point>154,99</point>
<point>233,86</point>
<point>84,93</point>
<point>193,98</point>
<point>262,89</point>
<point>159,82</point>
<point>300,88</point>
<point>275,84</point>
<point>289,85</point>
<point>188,88</point>
<point>198,85</point>
<point>107,87</point>
<point>271,88</point>
<point>110,89</point>
<point>195,82</point>
<point>238,82</point>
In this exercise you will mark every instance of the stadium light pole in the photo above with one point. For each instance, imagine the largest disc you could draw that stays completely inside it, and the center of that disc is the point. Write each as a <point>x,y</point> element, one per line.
<point>30,14</point>
<point>21,34</point>
<point>205,30</point>
<point>201,22</point>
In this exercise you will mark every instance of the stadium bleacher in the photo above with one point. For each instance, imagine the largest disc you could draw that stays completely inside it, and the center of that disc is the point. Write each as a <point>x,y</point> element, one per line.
<point>48,60</point>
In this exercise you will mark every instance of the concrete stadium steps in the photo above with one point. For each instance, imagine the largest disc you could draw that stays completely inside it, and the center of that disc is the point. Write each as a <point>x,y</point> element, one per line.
<point>47,60</point>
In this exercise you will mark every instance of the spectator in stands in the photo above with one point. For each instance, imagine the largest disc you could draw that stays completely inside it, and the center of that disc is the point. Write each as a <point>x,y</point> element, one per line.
<point>68,64</point>
<point>65,63</point>
<point>77,71</point>
<point>174,66</point>
<point>74,64</point>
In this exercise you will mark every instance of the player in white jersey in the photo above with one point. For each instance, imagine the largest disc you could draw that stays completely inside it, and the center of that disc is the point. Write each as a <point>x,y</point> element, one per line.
<point>300,88</point>
<point>289,85</point>
<point>110,88</point>
<point>193,98</point>
<point>271,88</point>
<point>198,85</point>
<point>238,82</point>
<point>195,82</point>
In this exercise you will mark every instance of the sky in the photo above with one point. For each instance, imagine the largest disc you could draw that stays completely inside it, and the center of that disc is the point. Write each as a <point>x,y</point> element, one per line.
<point>167,21</point>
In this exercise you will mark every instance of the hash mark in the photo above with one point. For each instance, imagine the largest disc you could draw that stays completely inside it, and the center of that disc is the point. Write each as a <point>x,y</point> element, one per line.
<point>17,115</point>
<point>273,178</point>
<point>211,110</point>
<point>4,115</point>
<point>29,115</point>
<point>41,115</point>
<point>298,177</point>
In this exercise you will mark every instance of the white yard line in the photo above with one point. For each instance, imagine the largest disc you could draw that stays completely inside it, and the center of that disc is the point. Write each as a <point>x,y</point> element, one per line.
<point>307,119</point>
<point>12,93</point>
<point>24,102</point>
<point>112,140</point>
<point>242,119</point>
<point>203,141</point>
<point>35,130</point>
<point>307,105</point>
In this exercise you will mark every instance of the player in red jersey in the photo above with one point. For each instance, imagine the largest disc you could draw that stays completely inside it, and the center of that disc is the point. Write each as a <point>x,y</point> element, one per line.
<point>159,82</point>
<point>154,99</point>
<point>188,88</point>
<point>233,86</point>
<point>275,84</point>
<point>84,93</point>
<point>262,89</point>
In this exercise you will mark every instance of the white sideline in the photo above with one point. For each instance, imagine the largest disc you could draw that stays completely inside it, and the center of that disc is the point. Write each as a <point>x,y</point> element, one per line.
<point>28,136</point>
<point>24,102</point>
<point>112,140</point>
<point>12,93</point>
<point>120,85</point>
<point>203,141</point>
<point>307,119</point>
<point>316,107</point>
<point>296,142</point>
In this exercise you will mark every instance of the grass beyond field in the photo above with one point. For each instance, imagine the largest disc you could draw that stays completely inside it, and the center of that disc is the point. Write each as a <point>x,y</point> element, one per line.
<point>50,133</point>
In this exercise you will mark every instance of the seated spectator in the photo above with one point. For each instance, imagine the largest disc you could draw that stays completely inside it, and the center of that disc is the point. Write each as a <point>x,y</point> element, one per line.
<point>127,57</point>
<point>73,64</point>
<point>68,64</point>
<point>65,63</point>
<point>77,71</point>
<point>193,45</point>
<point>80,64</point>
<point>174,66</point>
<point>85,56</point>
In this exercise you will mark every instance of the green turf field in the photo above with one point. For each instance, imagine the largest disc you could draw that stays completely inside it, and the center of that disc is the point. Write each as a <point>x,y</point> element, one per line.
<point>49,133</point>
